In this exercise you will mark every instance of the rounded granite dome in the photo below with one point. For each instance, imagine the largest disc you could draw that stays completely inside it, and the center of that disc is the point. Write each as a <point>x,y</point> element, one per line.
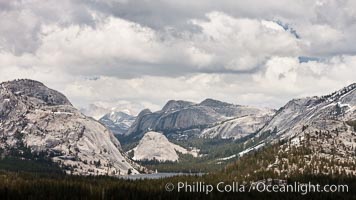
<point>35,89</point>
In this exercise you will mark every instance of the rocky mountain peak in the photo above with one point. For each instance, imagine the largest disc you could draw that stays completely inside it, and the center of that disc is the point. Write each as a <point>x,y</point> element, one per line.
<point>145,112</point>
<point>213,103</point>
<point>118,122</point>
<point>117,116</point>
<point>176,104</point>
<point>42,121</point>
<point>36,90</point>
<point>191,119</point>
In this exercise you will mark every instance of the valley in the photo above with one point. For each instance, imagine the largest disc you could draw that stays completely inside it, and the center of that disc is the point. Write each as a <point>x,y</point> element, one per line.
<point>42,134</point>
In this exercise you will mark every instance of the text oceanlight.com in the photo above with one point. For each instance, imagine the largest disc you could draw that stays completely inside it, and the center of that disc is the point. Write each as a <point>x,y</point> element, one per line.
<point>302,188</point>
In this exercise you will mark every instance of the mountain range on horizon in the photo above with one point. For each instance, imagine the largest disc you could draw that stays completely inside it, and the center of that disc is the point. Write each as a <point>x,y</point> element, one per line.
<point>38,120</point>
<point>177,100</point>
<point>118,122</point>
<point>187,119</point>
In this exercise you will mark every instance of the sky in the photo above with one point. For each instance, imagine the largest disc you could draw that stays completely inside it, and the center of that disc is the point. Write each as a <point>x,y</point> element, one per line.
<point>135,54</point>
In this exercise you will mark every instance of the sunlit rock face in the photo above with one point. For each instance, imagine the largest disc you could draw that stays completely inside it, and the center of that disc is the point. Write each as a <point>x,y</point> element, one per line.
<point>43,121</point>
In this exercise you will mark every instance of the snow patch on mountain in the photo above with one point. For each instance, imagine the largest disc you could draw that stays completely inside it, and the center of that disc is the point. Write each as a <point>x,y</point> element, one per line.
<point>98,110</point>
<point>118,122</point>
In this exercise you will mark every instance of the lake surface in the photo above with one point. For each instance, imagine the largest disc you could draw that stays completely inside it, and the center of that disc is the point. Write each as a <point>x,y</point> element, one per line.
<point>158,175</point>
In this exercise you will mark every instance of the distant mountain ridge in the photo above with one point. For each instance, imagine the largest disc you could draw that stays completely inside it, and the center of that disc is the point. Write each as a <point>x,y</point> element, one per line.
<point>40,121</point>
<point>185,119</point>
<point>95,111</point>
<point>99,109</point>
<point>118,122</point>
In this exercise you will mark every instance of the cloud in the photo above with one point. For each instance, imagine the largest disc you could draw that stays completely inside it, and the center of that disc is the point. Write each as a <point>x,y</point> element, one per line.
<point>281,79</point>
<point>293,78</point>
<point>159,14</point>
<point>243,44</point>
<point>120,48</point>
<point>146,52</point>
<point>22,21</point>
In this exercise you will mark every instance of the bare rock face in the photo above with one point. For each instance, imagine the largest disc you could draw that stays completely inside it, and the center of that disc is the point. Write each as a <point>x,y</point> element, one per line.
<point>155,146</point>
<point>210,118</point>
<point>324,127</point>
<point>36,91</point>
<point>321,113</point>
<point>42,120</point>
